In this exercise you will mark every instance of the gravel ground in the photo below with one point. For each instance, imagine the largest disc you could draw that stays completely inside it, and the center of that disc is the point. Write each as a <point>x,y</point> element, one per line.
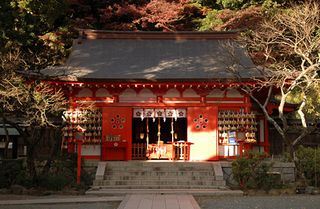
<point>261,202</point>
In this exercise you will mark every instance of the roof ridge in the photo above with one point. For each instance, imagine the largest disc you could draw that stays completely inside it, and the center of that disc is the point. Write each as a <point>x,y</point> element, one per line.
<point>157,35</point>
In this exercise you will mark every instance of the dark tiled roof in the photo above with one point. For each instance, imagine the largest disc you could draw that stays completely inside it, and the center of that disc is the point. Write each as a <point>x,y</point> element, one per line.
<point>154,57</point>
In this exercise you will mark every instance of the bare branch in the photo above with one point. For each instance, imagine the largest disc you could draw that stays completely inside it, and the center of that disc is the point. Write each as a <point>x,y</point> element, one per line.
<point>288,45</point>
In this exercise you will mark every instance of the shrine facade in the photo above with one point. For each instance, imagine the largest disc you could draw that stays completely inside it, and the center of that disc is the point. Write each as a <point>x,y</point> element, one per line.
<point>155,95</point>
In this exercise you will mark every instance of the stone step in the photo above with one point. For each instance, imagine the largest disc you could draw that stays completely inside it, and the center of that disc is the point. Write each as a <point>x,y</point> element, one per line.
<point>172,182</point>
<point>160,173</point>
<point>163,177</point>
<point>173,165</point>
<point>158,187</point>
<point>156,163</point>
<point>163,168</point>
<point>157,170</point>
<point>97,191</point>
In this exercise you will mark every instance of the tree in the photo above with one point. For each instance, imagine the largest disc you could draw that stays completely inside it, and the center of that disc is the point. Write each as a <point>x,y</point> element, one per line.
<point>29,103</point>
<point>147,15</point>
<point>162,14</point>
<point>287,45</point>
<point>34,35</point>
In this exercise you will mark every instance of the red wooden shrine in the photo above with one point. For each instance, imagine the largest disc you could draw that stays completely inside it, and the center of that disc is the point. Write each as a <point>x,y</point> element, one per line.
<point>157,114</point>
<point>218,127</point>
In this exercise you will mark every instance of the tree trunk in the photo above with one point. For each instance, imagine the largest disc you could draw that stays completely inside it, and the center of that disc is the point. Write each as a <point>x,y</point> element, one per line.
<point>7,139</point>
<point>287,147</point>
<point>291,151</point>
<point>31,166</point>
<point>32,143</point>
<point>53,151</point>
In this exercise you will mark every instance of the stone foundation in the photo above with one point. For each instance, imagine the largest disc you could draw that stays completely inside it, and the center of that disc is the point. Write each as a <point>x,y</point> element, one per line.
<point>287,171</point>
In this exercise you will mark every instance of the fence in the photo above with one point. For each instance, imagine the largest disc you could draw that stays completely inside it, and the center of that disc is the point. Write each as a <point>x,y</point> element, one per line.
<point>139,151</point>
<point>179,151</point>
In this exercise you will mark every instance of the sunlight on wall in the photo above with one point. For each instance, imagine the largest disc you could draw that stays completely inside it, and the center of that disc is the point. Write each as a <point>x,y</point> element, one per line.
<point>202,132</point>
<point>204,147</point>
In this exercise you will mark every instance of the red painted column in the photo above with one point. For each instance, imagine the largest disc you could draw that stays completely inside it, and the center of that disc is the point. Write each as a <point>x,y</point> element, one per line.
<point>241,148</point>
<point>79,145</point>
<point>266,137</point>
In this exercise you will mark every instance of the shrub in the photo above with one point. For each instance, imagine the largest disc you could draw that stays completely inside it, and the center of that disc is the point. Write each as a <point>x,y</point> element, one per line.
<point>208,3</point>
<point>240,4</point>
<point>53,182</point>
<point>264,179</point>
<point>62,173</point>
<point>210,21</point>
<point>231,4</point>
<point>25,180</point>
<point>251,172</point>
<point>308,163</point>
<point>9,171</point>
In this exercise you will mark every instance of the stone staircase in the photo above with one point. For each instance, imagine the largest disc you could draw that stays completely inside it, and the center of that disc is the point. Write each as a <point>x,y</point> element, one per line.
<point>158,175</point>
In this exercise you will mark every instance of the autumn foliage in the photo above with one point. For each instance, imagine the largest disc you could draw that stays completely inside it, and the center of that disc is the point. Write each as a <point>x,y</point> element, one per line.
<point>158,15</point>
<point>172,15</point>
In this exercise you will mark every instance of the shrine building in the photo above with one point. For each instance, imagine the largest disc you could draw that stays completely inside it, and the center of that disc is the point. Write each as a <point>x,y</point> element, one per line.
<point>159,95</point>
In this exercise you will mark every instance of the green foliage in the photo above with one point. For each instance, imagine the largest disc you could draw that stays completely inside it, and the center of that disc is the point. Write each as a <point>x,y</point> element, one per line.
<point>309,164</point>
<point>243,169</point>
<point>53,182</point>
<point>24,179</point>
<point>270,4</point>
<point>38,29</point>
<point>9,171</point>
<point>207,3</point>
<point>240,4</point>
<point>86,179</point>
<point>312,108</point>
<point>24,20</point>
<point>210,21</point>
<point>61,174</point>
<point>231,4</point>
<point>251,172</point>
<point>266,180</point>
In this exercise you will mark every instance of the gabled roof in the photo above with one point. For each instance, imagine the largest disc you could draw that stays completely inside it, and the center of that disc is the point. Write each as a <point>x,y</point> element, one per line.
<point>107,55</point>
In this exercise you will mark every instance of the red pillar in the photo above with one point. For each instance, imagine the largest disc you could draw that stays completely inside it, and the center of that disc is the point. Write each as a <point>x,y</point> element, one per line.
<point>266,137</point>
<point>241,148</point>
<point>79,145</point>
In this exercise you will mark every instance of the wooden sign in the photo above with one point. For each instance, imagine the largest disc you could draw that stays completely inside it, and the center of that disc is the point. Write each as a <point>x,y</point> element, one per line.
<point>113,138</point>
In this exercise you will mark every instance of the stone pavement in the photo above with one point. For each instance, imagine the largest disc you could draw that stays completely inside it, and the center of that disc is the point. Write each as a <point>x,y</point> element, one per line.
<point>60,200</point>
<point>158,201</point>
<point>130,199</point>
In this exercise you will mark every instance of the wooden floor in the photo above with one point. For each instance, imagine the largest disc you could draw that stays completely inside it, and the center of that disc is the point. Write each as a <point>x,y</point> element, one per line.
<point>158,201</point>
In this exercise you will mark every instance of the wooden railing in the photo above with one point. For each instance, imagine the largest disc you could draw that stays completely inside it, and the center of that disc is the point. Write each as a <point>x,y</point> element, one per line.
<point>176,151</point>
<point>182,150</point>
<point>139,151</point>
